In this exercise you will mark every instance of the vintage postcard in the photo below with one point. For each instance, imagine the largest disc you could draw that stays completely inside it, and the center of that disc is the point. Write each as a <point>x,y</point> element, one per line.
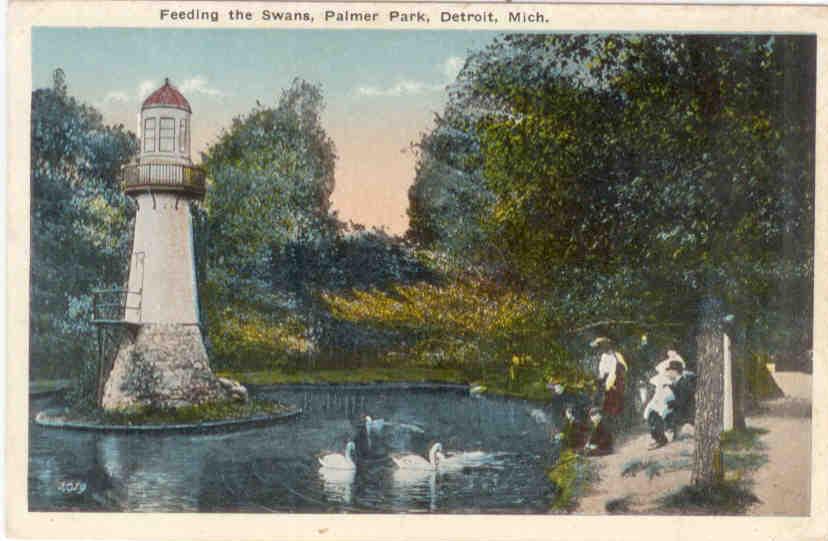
<point>416,271</point>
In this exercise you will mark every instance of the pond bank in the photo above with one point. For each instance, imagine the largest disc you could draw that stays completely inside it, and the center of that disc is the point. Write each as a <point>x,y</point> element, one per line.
<point>767,468</point>
<point>348,375</point>
<point>536,391</point>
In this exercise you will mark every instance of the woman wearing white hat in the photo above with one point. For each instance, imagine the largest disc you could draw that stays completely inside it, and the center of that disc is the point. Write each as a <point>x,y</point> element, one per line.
<point>611,370</point>
<point>673,403</point>
<point>659,408</point>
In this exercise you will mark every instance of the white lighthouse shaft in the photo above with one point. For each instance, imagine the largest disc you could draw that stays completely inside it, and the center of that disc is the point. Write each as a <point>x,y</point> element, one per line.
<point>162,279</point>
<point>163,362</point>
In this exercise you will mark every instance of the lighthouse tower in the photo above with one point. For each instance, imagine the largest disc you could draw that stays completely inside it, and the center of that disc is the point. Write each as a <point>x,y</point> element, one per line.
<point>164,363</point>
<point>164,183</point>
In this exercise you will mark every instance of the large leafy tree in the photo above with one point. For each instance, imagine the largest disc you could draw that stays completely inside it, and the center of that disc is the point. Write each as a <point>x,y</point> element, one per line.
<point>272,175</point>
<point>659,179</point>
<point>80,223</point>
<point>599,156</point>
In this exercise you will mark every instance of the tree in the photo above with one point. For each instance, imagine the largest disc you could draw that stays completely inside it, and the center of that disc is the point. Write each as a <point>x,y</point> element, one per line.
<point>708,466</point>
<point>80,224</point>
<point>449,198</point>
<point>272,175</point>
<point>646,177</point>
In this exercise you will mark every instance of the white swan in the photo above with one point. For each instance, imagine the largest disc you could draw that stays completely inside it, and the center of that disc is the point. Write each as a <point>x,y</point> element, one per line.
<point>338,461</point>
<point>477,390</point>
<point>374,425</point>
<point>468,459</point>
<point>539,416</point>
<point>416,462</point>
<point>377,425</point>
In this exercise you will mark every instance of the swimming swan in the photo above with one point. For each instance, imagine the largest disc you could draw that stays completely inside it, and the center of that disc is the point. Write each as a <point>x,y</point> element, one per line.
<point>539,416</point>
<point>469,459</point>
<point>477,390</point>
<point>337,461</point>
<point>416,462</point>
<point>376,425</point>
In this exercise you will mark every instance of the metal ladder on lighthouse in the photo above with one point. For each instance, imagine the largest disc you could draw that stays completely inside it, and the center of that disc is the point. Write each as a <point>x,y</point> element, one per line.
<point>109,308</point>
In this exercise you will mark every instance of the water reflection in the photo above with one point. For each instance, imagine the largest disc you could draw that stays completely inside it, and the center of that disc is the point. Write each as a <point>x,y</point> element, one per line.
<point>276,468</point>
<point>163,475</point>
<point>413,486</point>
<point>338,484</point>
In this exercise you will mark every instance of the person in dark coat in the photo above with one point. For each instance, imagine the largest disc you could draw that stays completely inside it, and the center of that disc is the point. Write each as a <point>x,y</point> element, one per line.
<point>684,405</point>
<point>563,397</point>
<point>600,439</point>
<point>575,432</point>
<point>673,403</point>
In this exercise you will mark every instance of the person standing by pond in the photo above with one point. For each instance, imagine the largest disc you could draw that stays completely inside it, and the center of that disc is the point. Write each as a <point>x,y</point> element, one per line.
<point>563,397</point>
<point>611,371</point>
<point>576,430</point>
<point>600,439</point>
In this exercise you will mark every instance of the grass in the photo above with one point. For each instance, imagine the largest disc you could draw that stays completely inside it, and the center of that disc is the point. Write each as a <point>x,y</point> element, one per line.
<point>535,390</point>
<point>739,463</point>
<point>350,375</point>
<point>218,411</point>
<point>653,468</point>
<point>632,468</point>
<point>726,498</point>
<point>741,440</point>
<point>619,505</point>
<point>531,391</point>
<point>738,451</point>
<point>571,475</point>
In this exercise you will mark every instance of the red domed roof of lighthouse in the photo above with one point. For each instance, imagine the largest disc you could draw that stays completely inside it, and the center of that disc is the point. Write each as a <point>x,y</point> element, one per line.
<point>167,96</point>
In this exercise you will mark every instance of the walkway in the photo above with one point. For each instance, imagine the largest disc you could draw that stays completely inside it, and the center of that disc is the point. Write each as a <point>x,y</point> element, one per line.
<point>634,479</point>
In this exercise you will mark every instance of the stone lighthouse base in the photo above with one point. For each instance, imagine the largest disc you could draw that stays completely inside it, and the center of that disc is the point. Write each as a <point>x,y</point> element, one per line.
<point>165,366</point>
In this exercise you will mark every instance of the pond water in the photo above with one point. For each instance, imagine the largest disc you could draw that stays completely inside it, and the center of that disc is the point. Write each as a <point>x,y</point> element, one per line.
<point>275,468</point>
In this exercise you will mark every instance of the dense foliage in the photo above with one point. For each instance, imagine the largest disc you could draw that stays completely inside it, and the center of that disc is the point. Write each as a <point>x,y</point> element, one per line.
<point>80,224</point>
<point>631,177</point>
<point>272,176</point>
<point>573,185</point>
<point>274,244</point>
<point>495,335</point>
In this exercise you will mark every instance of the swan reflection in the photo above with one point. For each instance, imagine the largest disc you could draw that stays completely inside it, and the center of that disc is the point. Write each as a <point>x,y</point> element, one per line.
<point>411,484</point>
<point>338,484</point>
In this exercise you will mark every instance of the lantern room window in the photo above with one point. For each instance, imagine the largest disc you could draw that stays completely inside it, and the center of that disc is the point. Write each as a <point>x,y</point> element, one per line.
<point>149,135</point>
<point>166,141</point>
<point>183,136</point>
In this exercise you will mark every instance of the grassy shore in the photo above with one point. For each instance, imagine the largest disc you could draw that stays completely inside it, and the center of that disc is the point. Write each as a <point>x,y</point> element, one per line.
<point>219,411</point>
<point>348,375</point>
<point>535,390</point>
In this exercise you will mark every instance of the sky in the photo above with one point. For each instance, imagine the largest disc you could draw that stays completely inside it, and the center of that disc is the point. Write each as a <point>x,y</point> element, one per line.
<point>382,89</point>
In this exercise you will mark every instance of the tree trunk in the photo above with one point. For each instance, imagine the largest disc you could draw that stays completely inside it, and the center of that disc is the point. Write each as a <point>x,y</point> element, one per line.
<point>707,465</point>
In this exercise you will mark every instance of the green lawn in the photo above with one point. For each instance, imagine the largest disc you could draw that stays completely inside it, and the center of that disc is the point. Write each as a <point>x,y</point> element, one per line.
<point>348,375</point>
<point>535,390</point>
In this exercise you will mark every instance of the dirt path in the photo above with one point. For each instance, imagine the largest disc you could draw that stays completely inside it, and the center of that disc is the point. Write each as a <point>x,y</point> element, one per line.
<point>635,479</point>
<point>783,485</point>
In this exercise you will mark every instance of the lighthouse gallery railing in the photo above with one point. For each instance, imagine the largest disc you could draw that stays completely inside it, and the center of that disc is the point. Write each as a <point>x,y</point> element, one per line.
<point>164,176</point>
